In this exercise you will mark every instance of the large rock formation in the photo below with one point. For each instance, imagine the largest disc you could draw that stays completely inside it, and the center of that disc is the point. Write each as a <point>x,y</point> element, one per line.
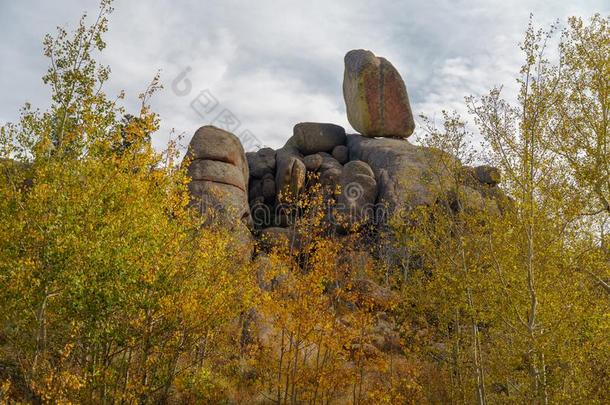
<point>375,96</point>
<point>219,171</point>
<point>365,179</point>
<point>369,177</point>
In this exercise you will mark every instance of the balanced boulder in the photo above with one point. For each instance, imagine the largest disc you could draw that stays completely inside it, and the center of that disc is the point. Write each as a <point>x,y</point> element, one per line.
<point>375,96</point>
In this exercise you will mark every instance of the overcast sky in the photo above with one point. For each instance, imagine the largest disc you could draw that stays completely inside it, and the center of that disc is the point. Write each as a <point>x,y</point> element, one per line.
<point>275,63</point>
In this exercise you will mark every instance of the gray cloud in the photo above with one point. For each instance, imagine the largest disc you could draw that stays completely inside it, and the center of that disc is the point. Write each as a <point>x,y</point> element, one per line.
<point>274,63</point>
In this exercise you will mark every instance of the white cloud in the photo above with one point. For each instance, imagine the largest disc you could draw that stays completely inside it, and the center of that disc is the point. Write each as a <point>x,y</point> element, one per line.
<point>274,64</point>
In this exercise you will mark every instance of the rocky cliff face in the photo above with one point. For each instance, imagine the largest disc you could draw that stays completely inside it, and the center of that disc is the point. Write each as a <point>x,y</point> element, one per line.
<point>368,176</point>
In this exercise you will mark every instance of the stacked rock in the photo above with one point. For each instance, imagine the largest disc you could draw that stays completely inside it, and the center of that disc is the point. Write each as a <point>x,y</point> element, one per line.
<point>219,174</point>
<point>376,169</point>
<point>311,142</point>
<point>313,148</point>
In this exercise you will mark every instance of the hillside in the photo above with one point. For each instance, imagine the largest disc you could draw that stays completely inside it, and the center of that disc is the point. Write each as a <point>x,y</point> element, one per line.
<point>342,268</point>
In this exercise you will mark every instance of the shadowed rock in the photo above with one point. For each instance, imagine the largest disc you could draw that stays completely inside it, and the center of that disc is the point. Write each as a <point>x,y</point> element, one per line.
<point>358,192</point>
<point>488,174</point>
<point>341,153</point>
<point>291,171</point>
<point>313,162</point>
<point>261,162</point>
<point>409,175</point>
